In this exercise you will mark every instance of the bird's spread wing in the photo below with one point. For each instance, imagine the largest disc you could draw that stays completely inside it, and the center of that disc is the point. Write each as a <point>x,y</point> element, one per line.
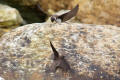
<point>70,14</point>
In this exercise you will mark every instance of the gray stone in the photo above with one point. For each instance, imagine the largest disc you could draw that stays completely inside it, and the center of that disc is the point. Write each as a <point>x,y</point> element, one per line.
<point>92,51</point>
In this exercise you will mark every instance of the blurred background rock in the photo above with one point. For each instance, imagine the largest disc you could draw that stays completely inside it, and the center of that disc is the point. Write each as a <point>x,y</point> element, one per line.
<point>90,11</point>
<point>14,14</point>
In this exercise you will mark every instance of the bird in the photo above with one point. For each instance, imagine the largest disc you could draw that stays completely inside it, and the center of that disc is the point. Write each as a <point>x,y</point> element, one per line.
<point>66,16</point>
<point>59,61</point>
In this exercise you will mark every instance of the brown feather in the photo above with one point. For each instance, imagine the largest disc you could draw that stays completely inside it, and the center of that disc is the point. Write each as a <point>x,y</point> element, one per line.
<point>70,14</point>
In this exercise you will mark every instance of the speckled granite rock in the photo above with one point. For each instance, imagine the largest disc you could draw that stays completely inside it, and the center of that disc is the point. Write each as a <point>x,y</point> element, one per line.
<point>92,51</point>
<point>9,16</point>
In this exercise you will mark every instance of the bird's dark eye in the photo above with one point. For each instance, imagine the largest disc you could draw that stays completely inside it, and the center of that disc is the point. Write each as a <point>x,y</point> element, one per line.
<point>53,19</point>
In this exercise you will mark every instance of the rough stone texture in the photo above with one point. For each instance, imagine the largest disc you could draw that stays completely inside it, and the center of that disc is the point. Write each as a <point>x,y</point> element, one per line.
<point>92,51</point>
<point>9,16</point>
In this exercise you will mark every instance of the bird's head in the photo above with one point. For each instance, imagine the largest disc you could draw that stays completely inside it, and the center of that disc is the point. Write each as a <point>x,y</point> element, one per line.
<point>54,18</point>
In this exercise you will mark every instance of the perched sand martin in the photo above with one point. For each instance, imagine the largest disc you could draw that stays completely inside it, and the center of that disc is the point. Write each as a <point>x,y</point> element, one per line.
<point>59,61</point>
<point>66,16</point>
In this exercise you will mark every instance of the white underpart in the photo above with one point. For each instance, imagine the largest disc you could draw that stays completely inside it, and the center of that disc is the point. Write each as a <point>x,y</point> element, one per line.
<point>58,21</point>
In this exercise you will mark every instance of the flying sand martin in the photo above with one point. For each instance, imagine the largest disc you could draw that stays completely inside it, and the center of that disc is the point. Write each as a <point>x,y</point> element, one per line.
<point>66,16</point>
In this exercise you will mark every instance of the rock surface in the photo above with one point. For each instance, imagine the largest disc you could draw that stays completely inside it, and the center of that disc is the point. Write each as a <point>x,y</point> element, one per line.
<point>9,16</point>
<point>92,51</point>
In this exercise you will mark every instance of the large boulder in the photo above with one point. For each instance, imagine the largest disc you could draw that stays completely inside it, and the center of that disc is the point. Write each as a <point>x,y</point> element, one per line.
<point>92,51</point>
<point>9,16</point>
